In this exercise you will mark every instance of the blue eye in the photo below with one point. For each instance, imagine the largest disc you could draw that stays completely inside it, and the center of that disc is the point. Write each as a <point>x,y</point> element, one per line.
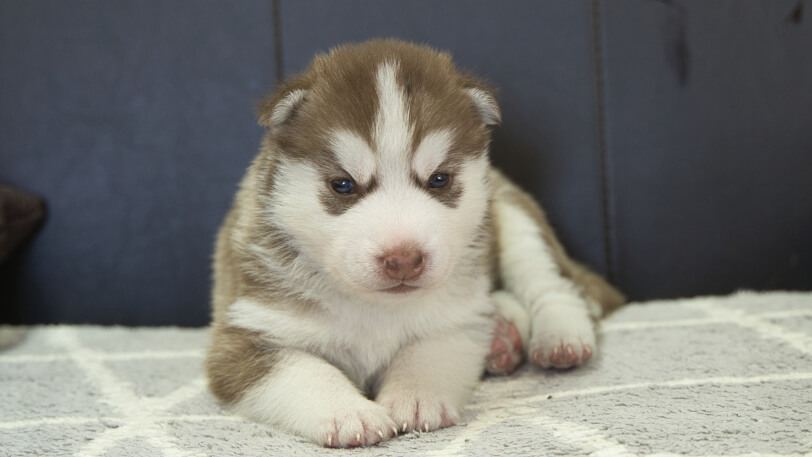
<point>438,180</point>
<point>343,186</point>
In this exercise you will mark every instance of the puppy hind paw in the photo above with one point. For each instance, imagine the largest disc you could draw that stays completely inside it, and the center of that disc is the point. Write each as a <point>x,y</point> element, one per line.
<point>563,335</point>
<point>506,349</point>
<point>561,355</point>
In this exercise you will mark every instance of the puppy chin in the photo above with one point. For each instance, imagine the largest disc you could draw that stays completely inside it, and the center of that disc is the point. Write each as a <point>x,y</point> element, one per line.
<point>399,293</point>
<point>388,292</point>
<point>400,289</point>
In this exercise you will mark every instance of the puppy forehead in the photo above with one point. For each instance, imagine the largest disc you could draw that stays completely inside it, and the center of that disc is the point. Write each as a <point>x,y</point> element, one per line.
<point>360,89</point>
<point>388,140</point>
<point>389,132</point>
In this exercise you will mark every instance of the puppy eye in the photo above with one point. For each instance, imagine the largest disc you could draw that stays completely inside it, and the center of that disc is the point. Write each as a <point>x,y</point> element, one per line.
<point>438,180</point>
<point>343,186</point>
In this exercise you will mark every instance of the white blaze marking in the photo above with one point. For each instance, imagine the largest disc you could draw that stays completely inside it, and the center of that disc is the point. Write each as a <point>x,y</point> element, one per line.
<point>392,133</point>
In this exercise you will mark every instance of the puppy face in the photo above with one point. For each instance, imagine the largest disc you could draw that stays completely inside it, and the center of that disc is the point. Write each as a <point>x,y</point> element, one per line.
<point>381,166</point>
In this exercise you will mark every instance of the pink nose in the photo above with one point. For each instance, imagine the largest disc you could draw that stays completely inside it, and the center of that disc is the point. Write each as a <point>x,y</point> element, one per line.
<point>403,264</point>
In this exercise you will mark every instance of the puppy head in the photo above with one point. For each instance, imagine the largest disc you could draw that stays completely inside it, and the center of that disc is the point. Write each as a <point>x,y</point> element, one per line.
<point>381,165</point>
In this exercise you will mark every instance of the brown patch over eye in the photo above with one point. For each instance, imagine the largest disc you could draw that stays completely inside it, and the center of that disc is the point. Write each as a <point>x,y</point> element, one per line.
<point>341,193</point>
<point>441,186</point>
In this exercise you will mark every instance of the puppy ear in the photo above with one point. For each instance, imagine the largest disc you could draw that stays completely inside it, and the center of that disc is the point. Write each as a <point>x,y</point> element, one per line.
<point>484,101</point>
<point>280,107</point>
<point>277,109</point>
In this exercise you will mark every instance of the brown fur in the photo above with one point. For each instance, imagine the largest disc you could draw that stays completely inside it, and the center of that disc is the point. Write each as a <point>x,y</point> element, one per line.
<point>342,94</point>
<point>448,195</point>
<point>336,204</point>
<point>240,359</point>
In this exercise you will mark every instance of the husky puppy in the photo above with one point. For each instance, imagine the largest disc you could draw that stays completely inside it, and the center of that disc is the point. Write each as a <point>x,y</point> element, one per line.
<point>374,263</point>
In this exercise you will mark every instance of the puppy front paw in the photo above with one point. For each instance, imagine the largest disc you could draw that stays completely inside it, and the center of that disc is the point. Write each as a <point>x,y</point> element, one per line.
<point>352,427</point>
<point>562,338</point>
<point>414,412</point>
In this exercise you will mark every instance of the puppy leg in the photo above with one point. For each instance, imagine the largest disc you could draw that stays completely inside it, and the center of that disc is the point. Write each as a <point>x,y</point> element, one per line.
<point>562,333</point>
<point>292,389</point>
<point>511,330</point>
<point>429,382</point>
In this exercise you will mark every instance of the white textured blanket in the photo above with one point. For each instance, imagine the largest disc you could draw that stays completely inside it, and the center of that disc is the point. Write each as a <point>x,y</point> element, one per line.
<point>705,376</point>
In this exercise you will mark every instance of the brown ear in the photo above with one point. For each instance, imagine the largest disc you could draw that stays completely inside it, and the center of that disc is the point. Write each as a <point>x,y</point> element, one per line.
<point>484,101</point>
<point>278,108</point>
<point>275,110</point>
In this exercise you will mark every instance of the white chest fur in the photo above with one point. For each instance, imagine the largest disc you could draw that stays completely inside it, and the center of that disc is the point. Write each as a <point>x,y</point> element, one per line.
<point>361,338</point>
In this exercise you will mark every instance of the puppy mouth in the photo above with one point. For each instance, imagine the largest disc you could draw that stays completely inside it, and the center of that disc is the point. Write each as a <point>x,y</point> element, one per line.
<point>401,288</point>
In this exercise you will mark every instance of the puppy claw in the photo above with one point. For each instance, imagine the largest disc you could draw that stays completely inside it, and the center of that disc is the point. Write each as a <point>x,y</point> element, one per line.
<point>555,357</point>
<point>365,426</point>
<point>419,414</point>
<point>572,357</point>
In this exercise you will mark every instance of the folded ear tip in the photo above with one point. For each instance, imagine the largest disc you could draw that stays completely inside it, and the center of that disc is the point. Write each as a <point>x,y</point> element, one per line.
<point>486,105</point>
<point>277,110</point>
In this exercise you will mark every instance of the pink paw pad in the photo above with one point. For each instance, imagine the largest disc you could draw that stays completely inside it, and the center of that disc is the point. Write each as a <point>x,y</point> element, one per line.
<point>506,348</point>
